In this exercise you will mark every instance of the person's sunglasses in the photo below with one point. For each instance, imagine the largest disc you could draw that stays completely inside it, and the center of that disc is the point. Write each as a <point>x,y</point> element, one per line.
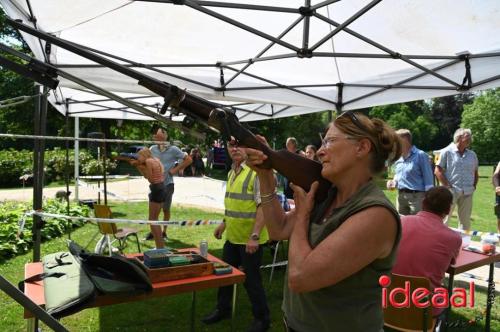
<point>354,119</point>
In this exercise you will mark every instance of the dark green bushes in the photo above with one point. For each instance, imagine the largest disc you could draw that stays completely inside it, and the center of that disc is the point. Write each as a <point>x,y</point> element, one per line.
<point>14,164</point>
<point>11,213</point>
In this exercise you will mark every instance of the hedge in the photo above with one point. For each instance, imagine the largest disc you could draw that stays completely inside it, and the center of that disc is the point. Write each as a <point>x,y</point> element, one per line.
<point>14,164</point>
<point>11,213</point>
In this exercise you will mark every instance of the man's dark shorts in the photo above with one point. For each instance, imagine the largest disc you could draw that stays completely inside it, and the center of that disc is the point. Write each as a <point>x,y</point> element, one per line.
<point>157,193</point>
<point>169,192</point>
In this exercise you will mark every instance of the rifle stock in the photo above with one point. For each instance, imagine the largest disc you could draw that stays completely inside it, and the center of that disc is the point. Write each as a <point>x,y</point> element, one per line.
<point>299,170</point>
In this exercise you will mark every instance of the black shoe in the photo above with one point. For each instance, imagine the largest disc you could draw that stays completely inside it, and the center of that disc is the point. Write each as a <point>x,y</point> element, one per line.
<point>164,235</point>
<point>216,316</point>
<point>149,237</point>
<point>259,325</point>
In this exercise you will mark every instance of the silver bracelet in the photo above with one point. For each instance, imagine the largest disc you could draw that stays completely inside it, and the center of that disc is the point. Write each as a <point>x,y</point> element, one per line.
<point>268,200</point>
<point>271,194</point>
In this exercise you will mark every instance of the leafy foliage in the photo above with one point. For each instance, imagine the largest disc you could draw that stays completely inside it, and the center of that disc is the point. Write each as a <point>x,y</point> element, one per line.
<point>483,118</point>
<point>412,116</point>
<point>14,164</point>
<point>446,113</point>
<point>95,167</point>
<point>19,119</point>
<point>11,213</point>
<point>305,128</point>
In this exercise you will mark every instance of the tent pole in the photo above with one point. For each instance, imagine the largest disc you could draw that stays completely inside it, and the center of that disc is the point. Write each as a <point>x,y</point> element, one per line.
<point>66,167</point>
<point>104,152</point>
<point>340,98</point>
<point>18,296</point>
<point>77,152</point>
<point>38,174</point>
<point>305,34</point>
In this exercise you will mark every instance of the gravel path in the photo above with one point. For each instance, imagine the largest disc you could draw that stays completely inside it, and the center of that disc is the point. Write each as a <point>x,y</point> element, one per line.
<point>199,192</point>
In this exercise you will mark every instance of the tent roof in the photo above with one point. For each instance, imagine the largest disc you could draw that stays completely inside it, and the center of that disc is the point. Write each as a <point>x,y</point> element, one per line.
<point>271,60</point>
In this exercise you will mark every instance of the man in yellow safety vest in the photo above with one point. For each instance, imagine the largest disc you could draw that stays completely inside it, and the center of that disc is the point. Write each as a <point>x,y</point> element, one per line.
<point>245,233</point>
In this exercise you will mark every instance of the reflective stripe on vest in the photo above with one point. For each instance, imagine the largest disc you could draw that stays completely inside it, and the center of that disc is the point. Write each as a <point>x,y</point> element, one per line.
<point>237,214</point>
<point>240,206</point>
<point>240,203</point>
<point>240,196</point>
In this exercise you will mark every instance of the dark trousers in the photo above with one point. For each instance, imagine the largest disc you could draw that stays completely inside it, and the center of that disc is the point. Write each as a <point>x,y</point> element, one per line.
<point>235,255</point>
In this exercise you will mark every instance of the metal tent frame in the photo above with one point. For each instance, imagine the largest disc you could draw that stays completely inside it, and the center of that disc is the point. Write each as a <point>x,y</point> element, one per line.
<point>300,18</point>
<point>231,71</point>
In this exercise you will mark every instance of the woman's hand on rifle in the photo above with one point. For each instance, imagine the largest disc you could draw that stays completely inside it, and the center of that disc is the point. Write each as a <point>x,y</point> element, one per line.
<point>304,201</point>
<point>254,157</point>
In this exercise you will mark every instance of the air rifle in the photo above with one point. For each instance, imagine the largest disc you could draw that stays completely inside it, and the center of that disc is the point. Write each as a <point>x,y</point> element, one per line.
<point>35,70</point>
<point>299,170</point>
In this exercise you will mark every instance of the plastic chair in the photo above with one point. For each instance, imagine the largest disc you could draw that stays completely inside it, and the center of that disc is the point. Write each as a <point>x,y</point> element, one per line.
<point>409,319</point>
<point>107,229</point>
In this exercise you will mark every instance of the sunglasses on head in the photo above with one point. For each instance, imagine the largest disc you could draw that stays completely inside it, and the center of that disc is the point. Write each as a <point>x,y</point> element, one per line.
<point>354,119</point>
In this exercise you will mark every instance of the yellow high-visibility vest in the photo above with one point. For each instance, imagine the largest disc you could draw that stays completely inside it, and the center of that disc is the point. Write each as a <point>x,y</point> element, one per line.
<point>240,207</point>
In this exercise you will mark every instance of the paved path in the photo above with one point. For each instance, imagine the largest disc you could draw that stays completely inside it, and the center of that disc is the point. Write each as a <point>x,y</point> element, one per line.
<point>199,192</point>
<point>205,193</point>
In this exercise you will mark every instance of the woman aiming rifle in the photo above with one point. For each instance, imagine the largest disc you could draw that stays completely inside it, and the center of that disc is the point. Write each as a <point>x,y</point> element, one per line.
<point>339,247</point>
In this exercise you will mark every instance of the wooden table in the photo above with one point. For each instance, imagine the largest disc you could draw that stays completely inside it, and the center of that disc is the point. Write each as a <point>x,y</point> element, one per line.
<point>466,261</point>
<point>34,290</point>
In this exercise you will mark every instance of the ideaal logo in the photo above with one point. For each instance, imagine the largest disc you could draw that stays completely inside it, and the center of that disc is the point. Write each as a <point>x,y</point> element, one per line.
<point>400,297</point>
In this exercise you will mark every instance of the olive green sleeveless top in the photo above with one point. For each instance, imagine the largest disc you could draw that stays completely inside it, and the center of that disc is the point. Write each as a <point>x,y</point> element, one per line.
<point>353,304</point>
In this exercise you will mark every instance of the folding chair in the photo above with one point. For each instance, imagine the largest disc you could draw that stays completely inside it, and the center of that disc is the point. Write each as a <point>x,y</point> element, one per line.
<point>279,244</point>
<point>107,229</point>
<point>275,263</point>
<point>411,319</point>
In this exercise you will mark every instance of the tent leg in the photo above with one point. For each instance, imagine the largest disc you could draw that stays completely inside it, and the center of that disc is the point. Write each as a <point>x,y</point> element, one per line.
<point>77,152</point>
<point>66,170</point>
<point>38,174</point>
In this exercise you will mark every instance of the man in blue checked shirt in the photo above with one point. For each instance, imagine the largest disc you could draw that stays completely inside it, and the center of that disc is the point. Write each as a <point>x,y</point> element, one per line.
<point>413,176</point>
<point>457,169</point>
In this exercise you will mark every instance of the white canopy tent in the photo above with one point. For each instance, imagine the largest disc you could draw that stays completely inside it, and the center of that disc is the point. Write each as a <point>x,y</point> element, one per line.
<point>269,59</point>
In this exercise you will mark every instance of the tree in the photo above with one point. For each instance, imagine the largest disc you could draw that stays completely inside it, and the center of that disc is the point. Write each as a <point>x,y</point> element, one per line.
<point>412,116</point>
<point>483,118</point>
<point>19,119</point>
<point>305,128</point>
<point>446,113</point>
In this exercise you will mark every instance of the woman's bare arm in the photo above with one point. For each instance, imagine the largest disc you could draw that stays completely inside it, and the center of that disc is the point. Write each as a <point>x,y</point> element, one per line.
<point>279,224</point>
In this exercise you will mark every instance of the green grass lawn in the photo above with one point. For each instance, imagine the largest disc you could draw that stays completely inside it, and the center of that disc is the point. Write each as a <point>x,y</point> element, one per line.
<point>160,314</point>
<point>172,313</point>
<point>483,218</point>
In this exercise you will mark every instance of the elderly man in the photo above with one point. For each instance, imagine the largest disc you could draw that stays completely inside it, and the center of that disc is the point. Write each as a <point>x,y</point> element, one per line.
<point>168,155</point>
<point>245,234</point>
<point>413,175</point>
<point>457,169</point>
<point>427,246</point>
